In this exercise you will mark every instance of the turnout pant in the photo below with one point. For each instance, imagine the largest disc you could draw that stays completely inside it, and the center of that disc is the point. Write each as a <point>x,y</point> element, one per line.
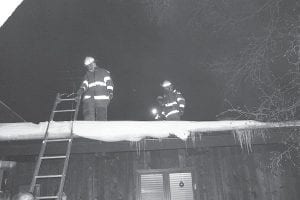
<point>93,111</point>
<point>174,117</point>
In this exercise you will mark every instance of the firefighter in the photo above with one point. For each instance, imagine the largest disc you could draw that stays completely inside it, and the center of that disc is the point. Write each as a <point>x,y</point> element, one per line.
<point>173,102</point>
<point>97,90</point>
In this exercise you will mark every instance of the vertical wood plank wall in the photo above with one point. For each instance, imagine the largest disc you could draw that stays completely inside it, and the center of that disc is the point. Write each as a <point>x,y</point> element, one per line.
<point>220,173</point>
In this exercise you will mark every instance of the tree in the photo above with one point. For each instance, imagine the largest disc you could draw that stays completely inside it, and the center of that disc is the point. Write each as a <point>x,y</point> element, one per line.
<point>254,52</point>
<point>269,65</point>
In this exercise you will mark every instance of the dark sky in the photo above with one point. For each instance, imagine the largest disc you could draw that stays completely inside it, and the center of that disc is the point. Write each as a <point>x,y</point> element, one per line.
<point>44,43</point>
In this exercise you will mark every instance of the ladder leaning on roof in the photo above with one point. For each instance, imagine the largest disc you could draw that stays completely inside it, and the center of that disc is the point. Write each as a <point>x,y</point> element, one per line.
<point>60,177</point>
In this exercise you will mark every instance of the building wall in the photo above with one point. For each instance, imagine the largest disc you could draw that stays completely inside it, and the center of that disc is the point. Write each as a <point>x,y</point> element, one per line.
<point>229,174</point>
<point>219,173</point>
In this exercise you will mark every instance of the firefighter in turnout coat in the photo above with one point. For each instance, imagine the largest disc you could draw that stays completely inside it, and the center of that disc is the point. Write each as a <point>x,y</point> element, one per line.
<point>173,102</point>
<point>97,90</point>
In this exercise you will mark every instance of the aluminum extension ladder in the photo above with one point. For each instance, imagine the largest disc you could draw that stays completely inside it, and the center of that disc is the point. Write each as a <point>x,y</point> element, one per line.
<point>47,142</point>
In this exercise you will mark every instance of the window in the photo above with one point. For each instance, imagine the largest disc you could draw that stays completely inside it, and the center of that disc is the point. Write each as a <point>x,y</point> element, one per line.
<point>152,187</point>
<point>165,185</point>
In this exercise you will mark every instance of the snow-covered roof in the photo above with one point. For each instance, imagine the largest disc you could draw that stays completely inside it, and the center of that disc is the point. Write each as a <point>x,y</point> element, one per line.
<point>112,131</point>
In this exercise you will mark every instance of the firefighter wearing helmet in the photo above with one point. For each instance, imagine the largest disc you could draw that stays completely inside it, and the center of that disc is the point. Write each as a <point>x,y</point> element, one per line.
<point>173,102</point>
<point>96,91</point>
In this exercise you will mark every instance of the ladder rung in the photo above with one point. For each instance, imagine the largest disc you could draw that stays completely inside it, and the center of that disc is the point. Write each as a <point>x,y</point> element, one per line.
<point>57,140</point>
<point>71,99</point>
<point>50,176</point>
<point>46,197</point>
<point>52,157</point>
<point>58,111</point>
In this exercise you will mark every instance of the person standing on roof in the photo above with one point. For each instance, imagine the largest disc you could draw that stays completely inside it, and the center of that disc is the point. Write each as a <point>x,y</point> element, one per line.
<point>173,102</point>
<point>97,90</point>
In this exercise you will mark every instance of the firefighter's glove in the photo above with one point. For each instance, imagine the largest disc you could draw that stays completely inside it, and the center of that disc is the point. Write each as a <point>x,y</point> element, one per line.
<point>80,92</point>
<point>111,95</point>
<point>181,111</point>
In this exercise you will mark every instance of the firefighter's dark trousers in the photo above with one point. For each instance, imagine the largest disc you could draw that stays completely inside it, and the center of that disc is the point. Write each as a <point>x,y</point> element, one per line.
<point>93,111</point>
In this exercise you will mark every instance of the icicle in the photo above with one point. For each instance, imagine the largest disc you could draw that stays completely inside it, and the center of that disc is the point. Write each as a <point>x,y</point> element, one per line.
<point>194,137</point>
<point>138,146</point>
<point>245,137</point>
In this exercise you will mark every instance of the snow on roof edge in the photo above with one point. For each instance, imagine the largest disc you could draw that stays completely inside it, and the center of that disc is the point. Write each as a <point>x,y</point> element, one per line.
<point>112,131</point>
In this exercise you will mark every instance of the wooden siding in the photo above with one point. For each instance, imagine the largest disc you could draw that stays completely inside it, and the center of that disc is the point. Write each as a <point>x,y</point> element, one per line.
<point>219,173</point>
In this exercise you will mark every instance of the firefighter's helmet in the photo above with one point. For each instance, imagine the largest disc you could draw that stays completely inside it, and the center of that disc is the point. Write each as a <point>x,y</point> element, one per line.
<point>159,98</point>
<point>88,60</point>
<point>24,196</point>
<point>166,84</point>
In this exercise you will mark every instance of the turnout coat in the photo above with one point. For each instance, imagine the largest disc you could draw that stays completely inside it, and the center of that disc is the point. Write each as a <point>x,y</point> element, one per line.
<point>97,86</point>
<point>173,103</point>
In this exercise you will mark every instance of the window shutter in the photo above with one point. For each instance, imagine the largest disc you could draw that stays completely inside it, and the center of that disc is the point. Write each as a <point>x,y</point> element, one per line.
<point>152,187</point>
<point>181,186</point>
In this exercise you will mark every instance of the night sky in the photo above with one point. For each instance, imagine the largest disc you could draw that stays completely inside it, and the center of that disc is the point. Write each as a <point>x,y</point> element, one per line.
<point>43,45</point>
